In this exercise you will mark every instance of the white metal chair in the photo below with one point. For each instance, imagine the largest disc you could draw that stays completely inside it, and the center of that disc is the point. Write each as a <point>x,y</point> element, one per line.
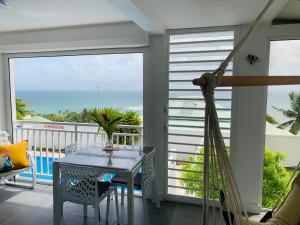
<point>81,185</point>
<point>72,148</point>
<point>141,181</point>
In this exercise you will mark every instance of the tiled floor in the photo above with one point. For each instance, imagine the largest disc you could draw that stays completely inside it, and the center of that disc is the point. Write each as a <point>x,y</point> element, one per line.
<point>26,207</point>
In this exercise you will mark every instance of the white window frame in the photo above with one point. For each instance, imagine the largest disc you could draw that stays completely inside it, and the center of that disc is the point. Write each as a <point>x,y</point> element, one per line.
<point>10,80</point>
<point>235,29</point>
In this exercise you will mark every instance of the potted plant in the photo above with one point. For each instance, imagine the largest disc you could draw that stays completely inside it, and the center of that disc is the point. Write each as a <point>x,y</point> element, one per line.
<point>108,120</point>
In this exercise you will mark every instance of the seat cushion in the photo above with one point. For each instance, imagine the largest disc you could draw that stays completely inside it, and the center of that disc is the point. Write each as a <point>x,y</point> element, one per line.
<point>103,187</point>
<point>5,165</point>
<point>18,154</point>
<point>122,181</point>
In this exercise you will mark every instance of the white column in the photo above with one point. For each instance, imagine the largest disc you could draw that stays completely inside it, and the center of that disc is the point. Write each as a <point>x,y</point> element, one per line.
<point>5,105</point>
<point>248,120</point>
<point>155,91</point>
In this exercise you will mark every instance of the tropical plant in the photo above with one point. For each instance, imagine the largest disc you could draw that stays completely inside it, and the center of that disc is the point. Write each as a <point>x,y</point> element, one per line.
<point>21,110</point>
<point>276,177</point>
<point>56,117</point>
<point>270,119</point>
<point>107,119</point>
<point>130,118</point>
<point>84,116</point>
<point>293,114</point>
<point>191,179</point>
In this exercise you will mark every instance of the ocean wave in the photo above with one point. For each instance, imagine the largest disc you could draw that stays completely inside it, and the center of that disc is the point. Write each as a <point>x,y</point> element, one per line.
<point>135,108</point>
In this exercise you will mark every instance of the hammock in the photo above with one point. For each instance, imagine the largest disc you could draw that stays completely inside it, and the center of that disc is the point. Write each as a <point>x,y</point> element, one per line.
<point>218,173</point>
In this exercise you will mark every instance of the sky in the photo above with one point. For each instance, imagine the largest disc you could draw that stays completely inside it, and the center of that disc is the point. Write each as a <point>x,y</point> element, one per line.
<point>284,60</point>
<point>111,72</point>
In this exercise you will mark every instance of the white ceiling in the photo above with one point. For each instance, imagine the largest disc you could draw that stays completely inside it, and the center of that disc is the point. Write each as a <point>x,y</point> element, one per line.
<point>37,14</point>
<point>204,13</point>
<point>291,11</point>
<point>151,15</point>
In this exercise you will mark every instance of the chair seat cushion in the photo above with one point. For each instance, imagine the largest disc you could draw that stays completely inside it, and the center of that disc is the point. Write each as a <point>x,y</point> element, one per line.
<point>122,180</point>
<point>5,165</point>
<point>18,154</point>
<point>103,186</point>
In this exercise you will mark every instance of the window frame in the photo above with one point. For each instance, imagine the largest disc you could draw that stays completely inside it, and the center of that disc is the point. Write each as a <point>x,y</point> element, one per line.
<point>235,30</point>
<point>10,80</point>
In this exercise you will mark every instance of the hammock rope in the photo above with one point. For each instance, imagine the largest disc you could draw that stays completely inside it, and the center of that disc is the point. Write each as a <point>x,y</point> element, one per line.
<point>218,172</point>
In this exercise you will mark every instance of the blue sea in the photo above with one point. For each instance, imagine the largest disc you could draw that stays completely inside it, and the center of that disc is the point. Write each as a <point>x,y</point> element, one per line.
<point>45,102</point>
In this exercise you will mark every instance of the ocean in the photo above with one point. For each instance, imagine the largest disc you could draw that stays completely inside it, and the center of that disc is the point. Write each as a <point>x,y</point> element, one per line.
<point>45,102</point>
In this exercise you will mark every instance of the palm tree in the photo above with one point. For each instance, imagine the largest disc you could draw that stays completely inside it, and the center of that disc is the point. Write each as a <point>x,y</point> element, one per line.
<point>293,114</point>
<point>21,110</point>
<point>270,119</point>
<point>107,119</point>
<point>131,118</point>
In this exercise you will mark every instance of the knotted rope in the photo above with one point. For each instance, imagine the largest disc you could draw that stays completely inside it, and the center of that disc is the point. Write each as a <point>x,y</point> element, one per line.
<point>218,172</point>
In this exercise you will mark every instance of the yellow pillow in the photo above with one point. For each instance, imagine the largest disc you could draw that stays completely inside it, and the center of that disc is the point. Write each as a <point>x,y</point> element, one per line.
<point>18,154</point>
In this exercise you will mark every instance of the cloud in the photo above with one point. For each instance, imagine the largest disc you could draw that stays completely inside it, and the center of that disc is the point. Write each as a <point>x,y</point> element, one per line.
<point>117,72</point>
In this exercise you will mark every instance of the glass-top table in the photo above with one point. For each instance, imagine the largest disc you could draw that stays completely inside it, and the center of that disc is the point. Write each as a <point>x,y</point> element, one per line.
<point>125,162</point>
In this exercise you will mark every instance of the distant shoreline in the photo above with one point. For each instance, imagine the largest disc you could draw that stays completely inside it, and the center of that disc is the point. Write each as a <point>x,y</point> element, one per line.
<point>46,102</point>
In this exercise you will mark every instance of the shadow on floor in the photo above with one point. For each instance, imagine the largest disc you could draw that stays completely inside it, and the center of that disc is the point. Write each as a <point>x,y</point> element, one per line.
<point>28,207</point>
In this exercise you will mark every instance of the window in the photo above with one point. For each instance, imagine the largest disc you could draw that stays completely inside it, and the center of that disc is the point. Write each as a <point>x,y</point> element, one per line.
<point>71,83</point>
<point>190,55</point>
<point>53,95</point>
<point>284,60</point>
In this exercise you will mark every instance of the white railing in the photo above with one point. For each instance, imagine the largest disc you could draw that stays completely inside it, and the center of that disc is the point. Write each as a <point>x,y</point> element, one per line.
<point>47,140</point>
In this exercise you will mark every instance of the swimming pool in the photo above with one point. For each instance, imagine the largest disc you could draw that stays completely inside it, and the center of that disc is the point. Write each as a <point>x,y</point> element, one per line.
<point>44,169</point>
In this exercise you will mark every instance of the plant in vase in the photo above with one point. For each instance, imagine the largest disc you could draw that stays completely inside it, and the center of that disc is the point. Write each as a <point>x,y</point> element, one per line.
<point>108,120</point>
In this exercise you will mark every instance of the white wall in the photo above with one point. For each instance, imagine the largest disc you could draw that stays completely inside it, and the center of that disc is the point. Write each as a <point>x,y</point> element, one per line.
<point>3,98</point>
<point>120,35</point>
<point>155,86</point>
<point>290,145</point>
<point>287,31</point>
<point>248,120</point>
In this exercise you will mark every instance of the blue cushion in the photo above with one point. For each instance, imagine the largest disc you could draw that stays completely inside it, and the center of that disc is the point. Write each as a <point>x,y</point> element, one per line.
<point>5,165</point>
<point>122,181</point>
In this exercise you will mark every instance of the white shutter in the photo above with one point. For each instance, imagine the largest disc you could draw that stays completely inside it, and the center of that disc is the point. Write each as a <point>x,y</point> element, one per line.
<point>190,55</point>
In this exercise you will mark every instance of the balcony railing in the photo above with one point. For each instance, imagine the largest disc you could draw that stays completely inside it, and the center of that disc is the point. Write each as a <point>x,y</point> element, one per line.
<point>47,140</point>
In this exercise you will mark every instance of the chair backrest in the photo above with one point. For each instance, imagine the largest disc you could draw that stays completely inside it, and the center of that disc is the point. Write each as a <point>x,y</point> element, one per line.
<point>4,138</point>
<point>148,166</point>
<point>72,148</point>
<point>78,184</point>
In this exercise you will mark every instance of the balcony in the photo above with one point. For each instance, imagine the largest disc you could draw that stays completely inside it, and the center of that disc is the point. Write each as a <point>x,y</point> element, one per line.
<point>47,140</point>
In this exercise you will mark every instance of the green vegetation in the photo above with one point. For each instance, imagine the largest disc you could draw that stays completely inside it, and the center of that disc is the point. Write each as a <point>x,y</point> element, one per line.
<point>292,114</point>
<point>107,120</point>
<point>275,179</point>
<point>82,117</point>
<point>88,116</point>
<point>191,180</point>
<point>270,119</point>
<point>21,109</point>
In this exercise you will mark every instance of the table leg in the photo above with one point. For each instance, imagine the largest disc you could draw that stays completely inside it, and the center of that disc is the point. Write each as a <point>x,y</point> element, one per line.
<point>56,193</point>
<point>130,200</point>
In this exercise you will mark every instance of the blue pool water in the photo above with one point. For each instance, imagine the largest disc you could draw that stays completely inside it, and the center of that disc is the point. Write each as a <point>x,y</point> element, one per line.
<point>46,168</point>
